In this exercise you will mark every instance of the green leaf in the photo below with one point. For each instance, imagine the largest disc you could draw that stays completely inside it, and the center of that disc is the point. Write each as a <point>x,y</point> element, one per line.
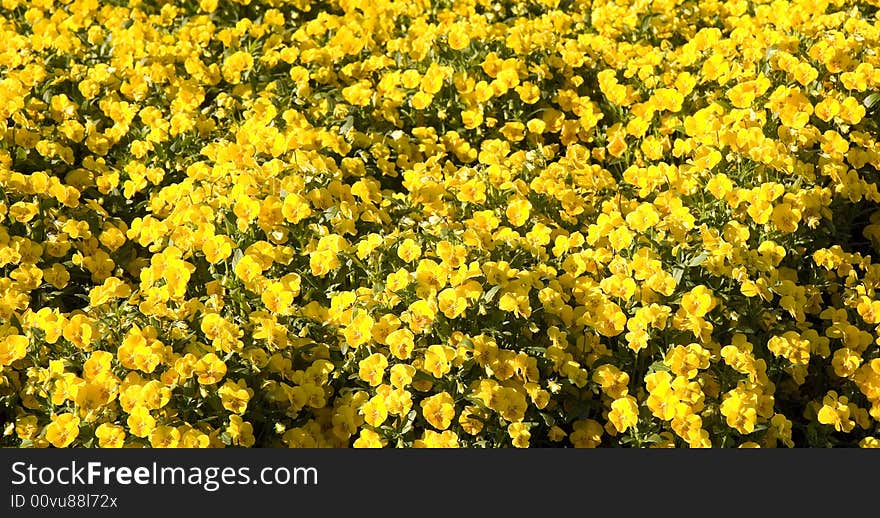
<point>346,126</point>
<point>677,273</point>
<point>657,367</point>
<point>236,257</point>
<point>408,424</point>
<point>698,260</point>
<point>489,295</point>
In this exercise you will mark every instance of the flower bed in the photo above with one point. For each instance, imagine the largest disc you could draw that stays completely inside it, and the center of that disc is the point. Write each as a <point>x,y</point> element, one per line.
<point>437,224</point>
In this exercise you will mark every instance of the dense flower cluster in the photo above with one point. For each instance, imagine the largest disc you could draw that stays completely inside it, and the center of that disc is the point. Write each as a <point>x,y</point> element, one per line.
<point>414,223</point>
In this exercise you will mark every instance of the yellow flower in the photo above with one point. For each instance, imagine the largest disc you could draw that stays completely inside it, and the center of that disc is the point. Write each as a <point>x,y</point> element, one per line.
<point>420,315</point>
<point>471,420</point>
<point>358,331</point>
<point>358,94</point>
<point>240,432</point>
<point>369,439</point>
<point>26,427</point>
<point>209,369</point>
<point>740,407</point>
<point>519,432</point>
<point>786,217</point>
<point>698,301</point>
<point>438,410</point>
<point>620,238</point>
<point>421,100</point>
<point>644,217</point>
<point>402,374</point>
<point>852,111</point>
<point>846,362</point>
<point>191,438</point>
<point>165,437</point>
<point>248,269</point>
<point>518,210</point>
<point>374,411</point>
<point>587,434</point>
<point>323,261</point>
<point>12,348</point>
<point>432,439</point>
<point>510,403</point>
<point>110,435</point>
<point>430,277</point>
<point>140,422</point>
<point>529,93</point>
<point>451,303</point>
<point>398,401</point>
<point>234,65</point>
<point>624,413</point>
<point>235,396</point>
<point>295,208</point>
<point>836,411</point>
<point>409,250</point>
<point>781,427</point>
<point>80,330</point>
<point>401,343</point>
<point>217,248</point>
<point>63,430</point>
<point>112,288</point>
<point>791,346</point>
<point>457,37</point>
<point>613,381</point>
<point>437,360</point>
<point>372,369</point>
<point>827,109</point>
